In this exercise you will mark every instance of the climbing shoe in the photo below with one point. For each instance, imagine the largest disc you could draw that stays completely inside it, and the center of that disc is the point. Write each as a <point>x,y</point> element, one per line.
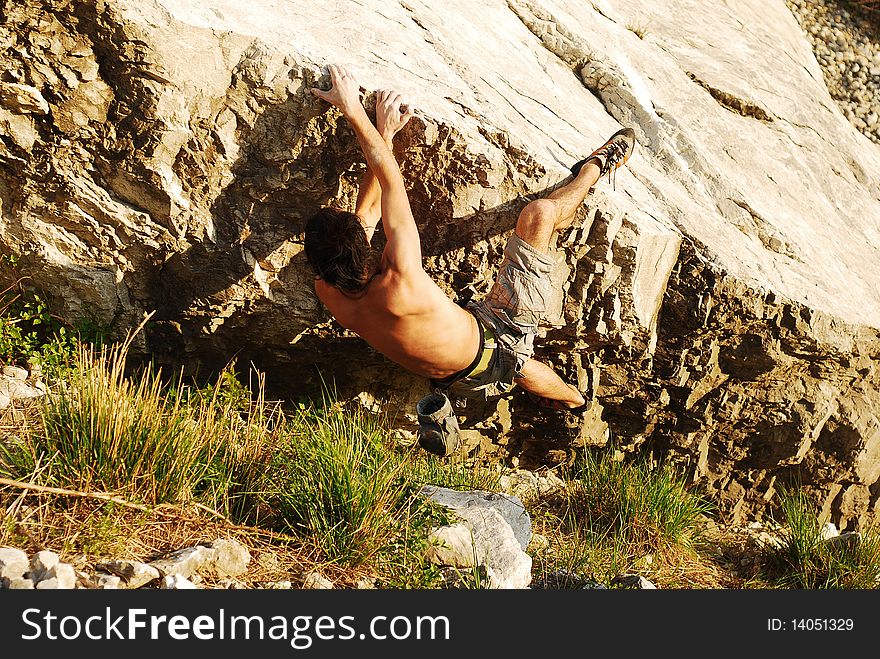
<point>611,155</point>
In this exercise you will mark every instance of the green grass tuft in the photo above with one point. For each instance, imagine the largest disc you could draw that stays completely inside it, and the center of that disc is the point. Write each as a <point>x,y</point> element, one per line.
<point>805,560</point>
<point>631,504</point>
<point>332,479</point>
<point>104,431</point>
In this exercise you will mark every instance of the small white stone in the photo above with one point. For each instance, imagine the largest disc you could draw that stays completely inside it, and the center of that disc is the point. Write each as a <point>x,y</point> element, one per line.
<point>177,582</point>
<point>109,582</point>
<point>134,573</point>
<point>316,581</point>
<point>64,576</point>
<point>18,583</point>
<point>13,563</point>
<point>231,558</point>
<point>15,372</point>
<point>451,545</point>
<point>829,531</point>
<point>186,562</point>
<point>41,563</point>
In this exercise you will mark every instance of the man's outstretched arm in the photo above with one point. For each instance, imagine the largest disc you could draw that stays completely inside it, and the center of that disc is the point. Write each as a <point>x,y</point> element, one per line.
<point>403,250</point>
<point>389,121</point>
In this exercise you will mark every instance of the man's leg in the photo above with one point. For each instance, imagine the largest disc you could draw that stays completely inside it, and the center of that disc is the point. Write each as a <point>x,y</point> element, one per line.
<point>541,380</point>
<point>540,218</point>
<point>536,224</point>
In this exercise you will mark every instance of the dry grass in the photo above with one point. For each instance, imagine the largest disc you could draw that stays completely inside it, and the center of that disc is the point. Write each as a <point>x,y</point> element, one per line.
<point>671,566</point>
<point>327,478</point>
<point>639,29</point>
<point>87,532</point>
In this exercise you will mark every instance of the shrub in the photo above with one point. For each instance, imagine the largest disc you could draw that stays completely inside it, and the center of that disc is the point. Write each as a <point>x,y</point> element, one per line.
<point>336,477</point>
<point>331,478</point>
<point>29,333</point>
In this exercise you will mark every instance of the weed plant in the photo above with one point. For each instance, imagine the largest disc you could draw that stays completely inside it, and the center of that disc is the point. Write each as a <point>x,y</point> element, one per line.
<point>30,335</point>
<point>336,478</point>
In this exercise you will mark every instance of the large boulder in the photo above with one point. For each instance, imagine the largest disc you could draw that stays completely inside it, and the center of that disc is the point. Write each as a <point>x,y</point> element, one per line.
<point>719,299</point>
<point>488,536</point>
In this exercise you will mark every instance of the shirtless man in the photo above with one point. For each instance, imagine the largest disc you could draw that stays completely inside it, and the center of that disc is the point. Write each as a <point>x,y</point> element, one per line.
<point>391,302</point>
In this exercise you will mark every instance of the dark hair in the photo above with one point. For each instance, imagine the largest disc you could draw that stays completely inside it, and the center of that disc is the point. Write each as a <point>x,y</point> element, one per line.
<point>337,247</point>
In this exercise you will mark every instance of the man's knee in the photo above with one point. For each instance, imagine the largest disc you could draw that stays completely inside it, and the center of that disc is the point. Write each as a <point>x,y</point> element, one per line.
<point>537,221</point>
<point>540,212</point>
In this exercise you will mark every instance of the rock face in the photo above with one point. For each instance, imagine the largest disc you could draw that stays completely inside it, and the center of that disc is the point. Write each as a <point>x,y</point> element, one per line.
<point>719,299</point>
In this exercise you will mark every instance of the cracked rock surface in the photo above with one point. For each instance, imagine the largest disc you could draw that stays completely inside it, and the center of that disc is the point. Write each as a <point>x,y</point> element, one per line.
<point>719,300</point>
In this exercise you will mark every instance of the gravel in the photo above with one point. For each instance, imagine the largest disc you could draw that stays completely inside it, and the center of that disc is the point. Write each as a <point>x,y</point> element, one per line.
<point>847,47</point>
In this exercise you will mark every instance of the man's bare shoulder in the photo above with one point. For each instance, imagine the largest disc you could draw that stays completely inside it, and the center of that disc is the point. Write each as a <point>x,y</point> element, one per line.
<point>399,293</point>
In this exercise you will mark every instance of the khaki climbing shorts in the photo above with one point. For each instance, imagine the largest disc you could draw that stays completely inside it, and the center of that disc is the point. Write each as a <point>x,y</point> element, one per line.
<point>511,312</point>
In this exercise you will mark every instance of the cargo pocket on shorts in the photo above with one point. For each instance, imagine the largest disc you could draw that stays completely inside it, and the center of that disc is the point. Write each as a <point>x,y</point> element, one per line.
<point>530,294</point>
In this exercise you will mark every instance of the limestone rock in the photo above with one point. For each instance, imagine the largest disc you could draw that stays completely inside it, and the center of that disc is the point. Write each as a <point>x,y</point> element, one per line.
<point>42,563</point>
<point>110,582</point>
<point>177,582</point>
<point>720,298</point>
<point>13,563</point>
<point>59,576</point>
<point>134,573</point>
<point>484,537</point>
<point>530,486</point>
<point>221,558</point>
<point>18,583</point>
<point>15,372</point>
<point>829,530</point>
<point>12,389</point>
<point>231,558</point>
<point>451,545</point>
<point>185,562</point>
<point>317,581</point>
<point>509,507</point>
